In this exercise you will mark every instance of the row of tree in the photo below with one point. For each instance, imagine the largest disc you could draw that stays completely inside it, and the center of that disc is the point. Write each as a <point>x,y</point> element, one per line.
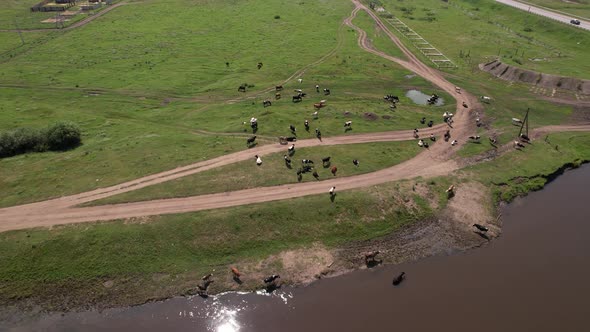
<point>57,137</point>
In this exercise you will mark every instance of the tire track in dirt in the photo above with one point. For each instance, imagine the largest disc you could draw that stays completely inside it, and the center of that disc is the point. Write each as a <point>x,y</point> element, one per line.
<point>432,162</point>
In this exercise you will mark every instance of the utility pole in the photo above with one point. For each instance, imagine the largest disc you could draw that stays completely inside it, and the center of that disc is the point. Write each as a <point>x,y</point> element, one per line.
<point>525,121</point>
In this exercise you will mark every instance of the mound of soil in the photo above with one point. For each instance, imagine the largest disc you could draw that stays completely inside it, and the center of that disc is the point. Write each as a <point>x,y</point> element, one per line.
<point>510,73</point>
<point>370,116</point>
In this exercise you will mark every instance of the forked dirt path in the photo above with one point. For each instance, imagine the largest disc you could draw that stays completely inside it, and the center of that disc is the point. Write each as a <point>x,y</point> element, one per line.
<point>432,162</point>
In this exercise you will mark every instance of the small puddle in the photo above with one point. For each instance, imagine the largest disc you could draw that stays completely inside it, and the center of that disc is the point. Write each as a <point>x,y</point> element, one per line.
<point>421,98</point>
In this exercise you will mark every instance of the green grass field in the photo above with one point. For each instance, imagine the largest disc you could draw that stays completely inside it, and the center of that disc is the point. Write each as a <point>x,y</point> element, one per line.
<point>519,38</point>
<point>245,174</point>
<point>576,7</point>
<point>16,14</point>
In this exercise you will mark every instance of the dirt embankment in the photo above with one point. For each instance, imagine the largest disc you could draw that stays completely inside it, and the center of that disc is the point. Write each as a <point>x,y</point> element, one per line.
<point>514,74</point>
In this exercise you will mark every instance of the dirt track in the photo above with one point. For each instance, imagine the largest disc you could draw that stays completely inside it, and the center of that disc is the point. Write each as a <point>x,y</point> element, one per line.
<point>431,162</point>
<point>73,26</point>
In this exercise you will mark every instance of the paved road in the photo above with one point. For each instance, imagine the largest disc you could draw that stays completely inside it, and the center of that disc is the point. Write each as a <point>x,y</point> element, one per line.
<point>550,14</point>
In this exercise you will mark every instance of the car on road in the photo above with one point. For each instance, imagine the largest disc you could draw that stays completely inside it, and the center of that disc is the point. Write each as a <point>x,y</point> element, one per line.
<point>576,22</point>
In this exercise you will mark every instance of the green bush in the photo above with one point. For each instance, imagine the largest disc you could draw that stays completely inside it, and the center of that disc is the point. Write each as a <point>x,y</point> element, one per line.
<point>58,137</point>
<point>63,136</point>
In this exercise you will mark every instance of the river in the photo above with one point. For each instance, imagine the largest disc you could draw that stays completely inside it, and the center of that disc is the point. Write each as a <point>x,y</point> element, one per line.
<point>535,277</point>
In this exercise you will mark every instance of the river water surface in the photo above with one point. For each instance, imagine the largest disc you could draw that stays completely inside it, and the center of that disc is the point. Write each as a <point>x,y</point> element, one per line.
<point>535,277</point>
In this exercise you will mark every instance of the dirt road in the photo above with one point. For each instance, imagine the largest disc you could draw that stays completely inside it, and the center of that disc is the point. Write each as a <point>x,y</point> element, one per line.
<point>432,162</point>
<point>73,26</point>
<point>552,14</point>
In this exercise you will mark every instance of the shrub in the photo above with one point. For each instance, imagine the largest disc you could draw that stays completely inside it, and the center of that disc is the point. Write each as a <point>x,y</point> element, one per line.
<point>277,17</point>
<point>63,136</point>
<point>58,137</point>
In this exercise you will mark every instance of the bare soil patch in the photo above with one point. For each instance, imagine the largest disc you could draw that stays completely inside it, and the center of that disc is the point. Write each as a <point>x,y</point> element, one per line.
<point>510,73</point>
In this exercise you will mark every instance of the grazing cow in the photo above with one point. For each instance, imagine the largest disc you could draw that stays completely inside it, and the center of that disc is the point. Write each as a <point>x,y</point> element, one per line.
<point>242,88</point>
<point>430,123</point>
<point>250,140</point>
<point>451,189</point>
<point>481,228</point>
<point>426,144</point>
<point>420,143</point>
<point>266,103</point>
<point>516,122</point>
<point>278,95</point>
<point>254,124</point>
<point>287,160</point>
<point>207,277</point>
<point>465,105</point>
<point>236,273</point>
<point>493,141</point>
<point>315,115</point>
<point>457,89</point>
<point>524,137</point>
<point>317,88</point>
<point>370,257</point>
<point>306,161</point>
<point>423,120</point>
<point>291,139</point>
<point>291,149</point>
<point>292,128</point>
<point>318,105</point>
<point>297,98</point>
<point>278,88</point>
<point>271,278</point>
<point>392,106</point>
<point>398,280</point>
<point>307,168</point>
<point>318,134</point>
<point>299,91</point>
<point>306,124</point>
<point>315,175</point>
<point>447,135</point>
<point>326,92</point>
<point>334,170</point>
<point>355,162</point>
<point>347,124</point>
<point>478,122</point>
<point>416,135</point>
<point>332,190</point>
<point>486,99</point>
<point>325,160</point>
<point>299,80</point>
<point>454,142</point>
<point>475,138</point>
<point>259,65</point>
<point>258,160</point>
<point>432,137</point>
<point>518,145</point>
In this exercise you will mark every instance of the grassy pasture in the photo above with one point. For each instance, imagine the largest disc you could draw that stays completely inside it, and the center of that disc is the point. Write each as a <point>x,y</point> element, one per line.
<point>245,174</point>
<point>41,263</point>
<point>494,29</point>
<point>120,142</point>
<point>520,172</point>
<point>121,124</point>
<point>575,7</point>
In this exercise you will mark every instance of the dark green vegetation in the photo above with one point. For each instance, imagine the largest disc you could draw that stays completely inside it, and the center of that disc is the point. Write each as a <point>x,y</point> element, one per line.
<point>58,137</point>
<point>245,174</point>
<point>43,264</point>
